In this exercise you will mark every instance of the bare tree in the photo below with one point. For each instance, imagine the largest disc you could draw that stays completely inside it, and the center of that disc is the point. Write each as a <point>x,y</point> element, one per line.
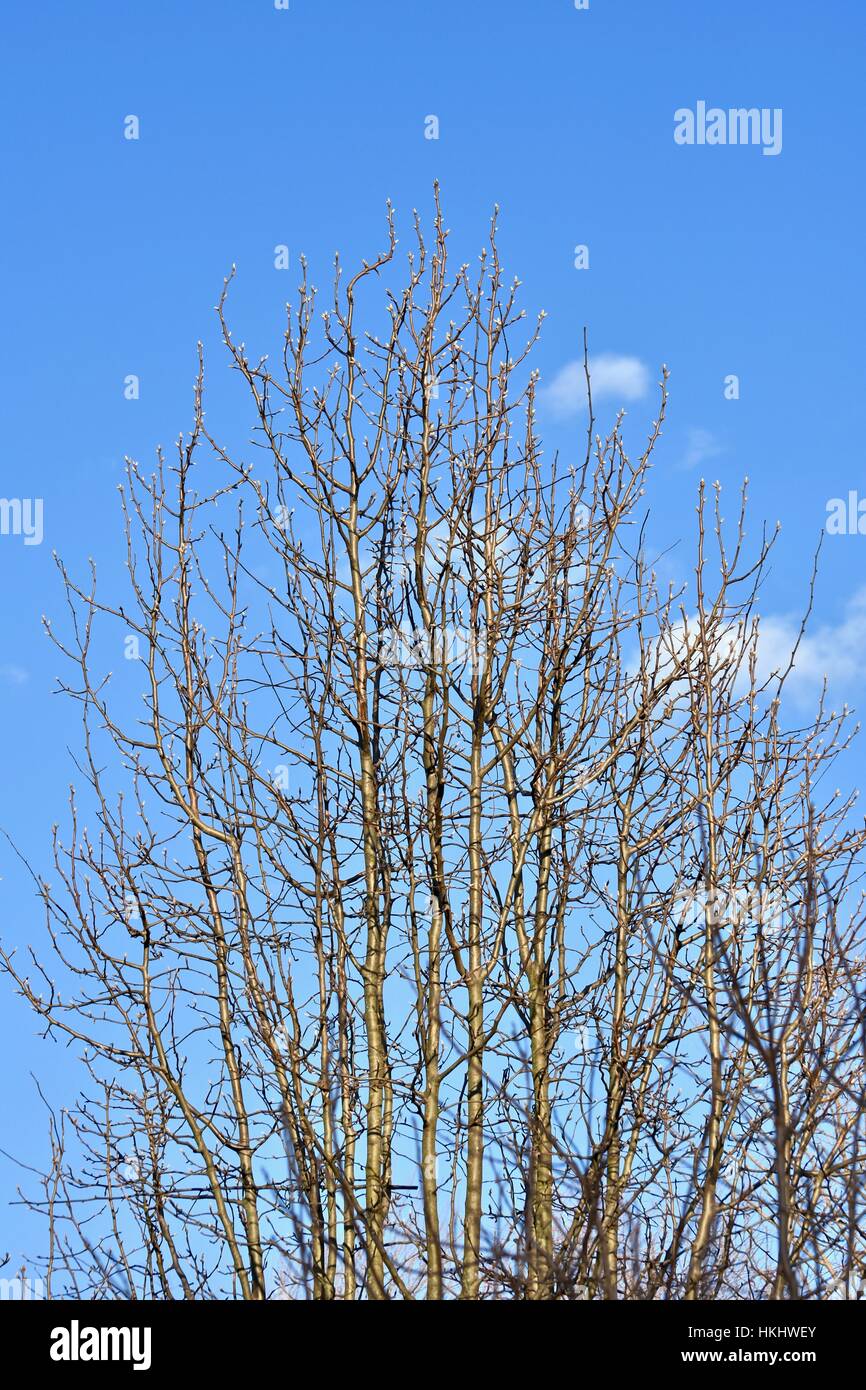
<point>457,915</point>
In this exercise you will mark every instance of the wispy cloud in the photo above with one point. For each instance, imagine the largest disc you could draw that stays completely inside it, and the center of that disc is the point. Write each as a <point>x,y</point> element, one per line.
<point>13,675</point>
<point>831,651</point>
<point>701,445</point>
<point>834,650</point>
<point>623,378</point>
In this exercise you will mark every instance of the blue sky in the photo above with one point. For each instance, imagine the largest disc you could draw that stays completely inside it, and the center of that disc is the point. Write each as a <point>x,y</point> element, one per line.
<point>261,127</point>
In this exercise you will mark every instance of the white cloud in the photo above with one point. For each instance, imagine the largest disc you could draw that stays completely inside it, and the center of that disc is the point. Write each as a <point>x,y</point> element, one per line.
<point>834,651</point>
<point>13,675</point>
<point>624,378</point>
<point>700,446</point>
